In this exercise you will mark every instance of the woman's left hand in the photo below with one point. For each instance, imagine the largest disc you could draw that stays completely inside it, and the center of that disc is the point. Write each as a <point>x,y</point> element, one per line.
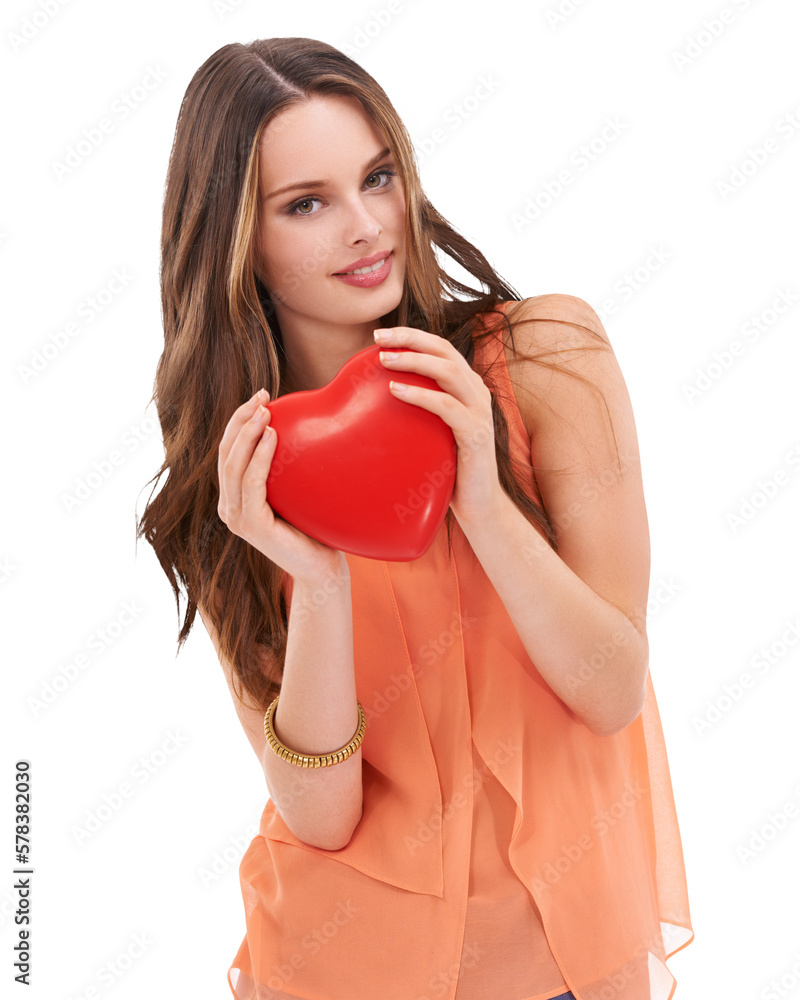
<point>465,405</point>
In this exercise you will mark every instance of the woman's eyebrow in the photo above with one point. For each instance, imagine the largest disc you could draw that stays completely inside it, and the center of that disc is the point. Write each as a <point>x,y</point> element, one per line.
<point>310,184</point>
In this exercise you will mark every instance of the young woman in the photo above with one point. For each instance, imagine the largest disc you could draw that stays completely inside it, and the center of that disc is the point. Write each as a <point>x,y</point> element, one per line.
<point>500,821</point>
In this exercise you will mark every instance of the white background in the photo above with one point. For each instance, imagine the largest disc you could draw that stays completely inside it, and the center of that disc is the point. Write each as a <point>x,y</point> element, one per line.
<point>652,205</point>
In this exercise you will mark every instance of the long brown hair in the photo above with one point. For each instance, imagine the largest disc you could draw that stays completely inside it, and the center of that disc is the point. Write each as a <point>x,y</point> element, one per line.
<point>222,341</point>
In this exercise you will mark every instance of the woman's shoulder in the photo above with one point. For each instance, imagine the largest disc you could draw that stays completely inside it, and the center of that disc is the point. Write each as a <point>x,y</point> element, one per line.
<point>553,313</point>
<point>556,329</point>
<point>549,322</point>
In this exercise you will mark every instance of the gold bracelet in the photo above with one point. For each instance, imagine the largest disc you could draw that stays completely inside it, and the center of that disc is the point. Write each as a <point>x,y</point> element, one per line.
<point>313,760</point>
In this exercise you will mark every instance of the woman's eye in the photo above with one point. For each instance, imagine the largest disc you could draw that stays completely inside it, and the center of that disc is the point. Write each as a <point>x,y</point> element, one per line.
<point>305,201</point>
<point>382,173</point>
<point>293,209</point>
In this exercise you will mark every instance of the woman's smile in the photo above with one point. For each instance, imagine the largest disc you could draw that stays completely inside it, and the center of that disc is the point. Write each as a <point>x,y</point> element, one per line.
<point>369,276</point>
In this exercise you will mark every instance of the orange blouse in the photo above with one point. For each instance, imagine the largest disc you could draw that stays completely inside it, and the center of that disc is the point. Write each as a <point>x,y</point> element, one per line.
<point>504,850</point>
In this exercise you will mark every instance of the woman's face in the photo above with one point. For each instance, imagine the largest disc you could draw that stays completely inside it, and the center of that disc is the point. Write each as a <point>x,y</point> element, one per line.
<point>342,206</point>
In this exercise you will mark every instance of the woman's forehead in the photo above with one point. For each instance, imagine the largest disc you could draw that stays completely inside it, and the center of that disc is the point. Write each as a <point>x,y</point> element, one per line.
<point>320,135</point>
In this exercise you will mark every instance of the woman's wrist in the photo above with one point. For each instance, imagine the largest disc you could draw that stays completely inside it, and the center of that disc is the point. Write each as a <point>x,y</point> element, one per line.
<point>484,514</point>
<point>328,574</point>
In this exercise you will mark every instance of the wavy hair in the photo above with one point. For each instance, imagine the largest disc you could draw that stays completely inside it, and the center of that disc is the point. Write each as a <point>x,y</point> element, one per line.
<point>222,341</point>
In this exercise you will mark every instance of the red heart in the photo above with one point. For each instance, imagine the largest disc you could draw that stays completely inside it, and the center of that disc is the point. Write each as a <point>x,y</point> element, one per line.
<point>358,469</point>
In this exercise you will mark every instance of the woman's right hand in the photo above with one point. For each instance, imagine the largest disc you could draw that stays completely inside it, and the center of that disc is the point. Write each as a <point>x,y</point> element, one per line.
<point>245,455</point>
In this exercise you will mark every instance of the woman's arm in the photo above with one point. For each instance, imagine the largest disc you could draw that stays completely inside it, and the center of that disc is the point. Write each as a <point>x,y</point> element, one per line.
<point>317,711</point>
<point>316,714</point>
<point>592,651</point>
<point>580,613</point>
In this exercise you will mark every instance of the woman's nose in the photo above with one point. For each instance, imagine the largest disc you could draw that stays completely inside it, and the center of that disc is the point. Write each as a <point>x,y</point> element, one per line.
<point>361,224</point>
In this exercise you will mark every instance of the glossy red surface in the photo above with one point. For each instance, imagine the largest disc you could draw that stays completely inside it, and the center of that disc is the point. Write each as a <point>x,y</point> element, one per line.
<point>358,469</point>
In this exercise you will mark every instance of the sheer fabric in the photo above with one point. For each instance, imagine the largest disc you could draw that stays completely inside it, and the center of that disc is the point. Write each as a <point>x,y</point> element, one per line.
<point>504,849</point>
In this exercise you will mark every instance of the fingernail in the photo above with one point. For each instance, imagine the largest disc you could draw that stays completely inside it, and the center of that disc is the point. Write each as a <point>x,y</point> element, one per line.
<point>263,395</point>
<point>382,334</point>
<point>388,356</point>
<point>258,414</point>
<point>398,386</point>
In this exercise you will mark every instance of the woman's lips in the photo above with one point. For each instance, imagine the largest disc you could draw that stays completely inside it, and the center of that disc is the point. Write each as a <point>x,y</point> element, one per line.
<point>370,279</point>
